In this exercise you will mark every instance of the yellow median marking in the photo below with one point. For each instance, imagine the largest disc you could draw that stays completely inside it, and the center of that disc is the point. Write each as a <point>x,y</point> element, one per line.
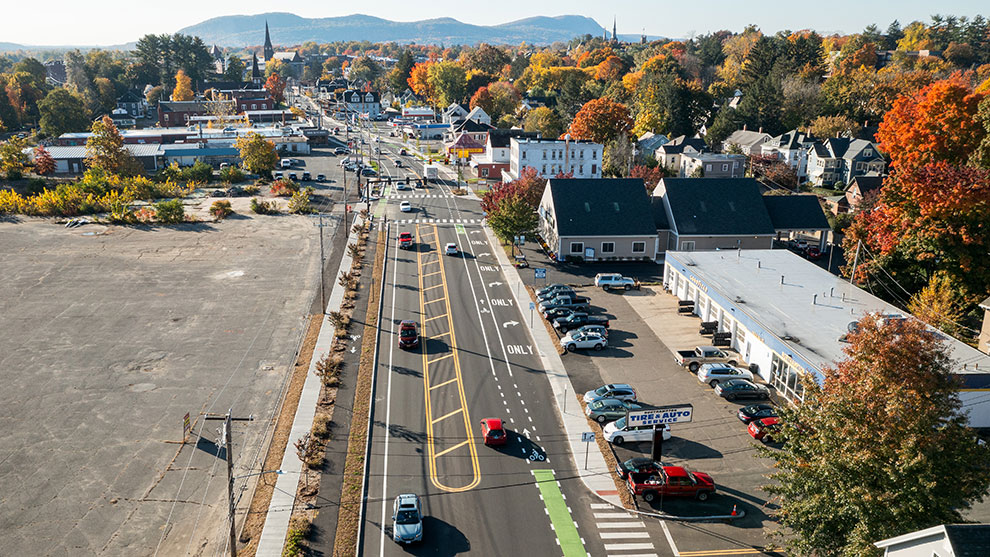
<point>713,552</point>
<point>435,360</point>
<point>429,274</point>
<point>447,382</point>
<point>457,446</point>
<point>428,288</point>
<point>433,301</point>
<point>448,414</point>
<point>428,319</point>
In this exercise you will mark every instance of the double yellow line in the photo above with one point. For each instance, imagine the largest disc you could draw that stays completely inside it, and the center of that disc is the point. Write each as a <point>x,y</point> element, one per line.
<point>433,455</point>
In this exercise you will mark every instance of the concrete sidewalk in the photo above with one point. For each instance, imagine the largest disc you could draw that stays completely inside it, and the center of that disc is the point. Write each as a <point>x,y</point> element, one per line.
<point>283,497</point>
<point>597,476</point>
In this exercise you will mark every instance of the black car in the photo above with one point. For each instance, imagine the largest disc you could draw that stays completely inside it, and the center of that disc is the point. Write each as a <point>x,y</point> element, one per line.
<point>638,464</point>
<point>552,287</point>
<point>235,191</point>
<point>578,319</point>
<point>741,388</point>
<point>551,294</point>
<point>752,412</point>
<point>556,313</point>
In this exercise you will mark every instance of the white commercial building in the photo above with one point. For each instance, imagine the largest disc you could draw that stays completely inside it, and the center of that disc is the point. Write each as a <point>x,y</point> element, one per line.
<point>787,318</point>
<point>550,157</point>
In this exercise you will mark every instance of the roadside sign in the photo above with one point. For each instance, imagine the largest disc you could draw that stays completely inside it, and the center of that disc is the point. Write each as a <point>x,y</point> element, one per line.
<point>673,414</point>
<point>588,436</point>
<point>532,306</point>
<point>540,272</point>
<point>186,426</point>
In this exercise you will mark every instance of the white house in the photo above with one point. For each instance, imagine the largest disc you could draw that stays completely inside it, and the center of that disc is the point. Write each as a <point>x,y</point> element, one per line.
<point>712,165</point>
<point>453,113</point>
<point>747,141</point>
<point>838,160</point>
<point>791,148</point>
<point>550,157</point>
<point>362,102</point>
<point>946,540</point>
<point>479,115</point>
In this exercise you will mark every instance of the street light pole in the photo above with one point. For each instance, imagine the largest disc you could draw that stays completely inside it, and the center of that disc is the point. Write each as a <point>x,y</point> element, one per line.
<point>567,151</point>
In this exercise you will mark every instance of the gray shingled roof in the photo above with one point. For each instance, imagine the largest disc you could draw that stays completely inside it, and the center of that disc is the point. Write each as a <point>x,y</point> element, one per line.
<point>659,213</point>
<point>717,206</point>
<point>602,207</point>
<point>500,137</point>
<point>796,212</point>
<point>969,540</point>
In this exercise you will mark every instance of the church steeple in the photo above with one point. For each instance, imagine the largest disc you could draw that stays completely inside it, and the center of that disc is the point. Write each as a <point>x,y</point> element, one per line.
<point>614,39</point>
<point>269,49</point>
<point>255,72</point>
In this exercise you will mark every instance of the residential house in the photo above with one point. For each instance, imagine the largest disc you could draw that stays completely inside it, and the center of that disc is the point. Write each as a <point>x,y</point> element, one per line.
<point>798,217</point>
<point>748,142</point>
<point>837,160</point>
<point>360,103</point>
<point>648,143</point>
<point>490,164</point>
<point>669,154</point>
<point>712,165</point>
<point>454,113</point>
<point>983,343</point>
<point>859,189</point>
<point>122,119</point>
<point>133,103</point>
<point>530,102</point>
<point>55,72</point>
<point>178,113</point>
<point>478,132</point>
<point>791,148</point>
<point>946,540</point>
<point>479,115</point>
<point>597,219</point>
<point>714,213</point>
<point>550,157</point>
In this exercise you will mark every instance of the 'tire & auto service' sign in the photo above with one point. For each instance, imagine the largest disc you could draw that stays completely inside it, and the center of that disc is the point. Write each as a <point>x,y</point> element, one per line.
<point>673,414</point>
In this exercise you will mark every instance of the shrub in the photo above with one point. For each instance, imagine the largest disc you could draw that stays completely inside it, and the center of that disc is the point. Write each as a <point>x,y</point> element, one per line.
<point>35,186</point>
<point>264,207</point>
<point>299,204</point>
<point>14,174</point>
<point>198,172</point>
<point>221,209</point>
<point>321,427</point>
<point>283,187</point>
<point>232,175</point>
<point>298,530</point>
<point>251,190</point>
<point>170,212</point>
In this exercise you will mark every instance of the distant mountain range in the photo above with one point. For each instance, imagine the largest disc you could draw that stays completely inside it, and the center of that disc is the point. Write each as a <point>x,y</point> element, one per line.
<point>289,29</point>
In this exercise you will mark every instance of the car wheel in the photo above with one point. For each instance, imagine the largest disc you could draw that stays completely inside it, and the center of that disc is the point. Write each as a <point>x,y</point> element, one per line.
<point>601,419</point>
<point>702,495</point>
<point>766,440</point>
<point>693,366</point>
<point>730,398</point>
<point>649,496</point>
<point>599,346</point>
<point>618,440</point>
<point>571,347</point>
<point>732,363</point>
<point>628,287</point>
<point>713,383</point>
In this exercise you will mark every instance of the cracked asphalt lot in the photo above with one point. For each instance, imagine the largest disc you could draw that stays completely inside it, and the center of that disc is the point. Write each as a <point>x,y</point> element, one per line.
<point>108,337</point>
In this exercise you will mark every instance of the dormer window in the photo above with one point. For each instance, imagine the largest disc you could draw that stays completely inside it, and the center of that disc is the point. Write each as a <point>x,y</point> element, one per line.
<point>355,98</point>
<point>867,152</point>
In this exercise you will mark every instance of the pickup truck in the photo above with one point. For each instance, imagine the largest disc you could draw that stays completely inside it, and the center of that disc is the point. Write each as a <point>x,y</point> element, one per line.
<point>578,319</point>
<point>693,359</point>
<point>572,302</point>
<point>555,294</point>
<point>608,281</point>
<point>670,481</point>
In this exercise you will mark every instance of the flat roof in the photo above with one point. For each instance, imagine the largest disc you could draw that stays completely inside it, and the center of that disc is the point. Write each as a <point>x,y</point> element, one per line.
<point>751,280</point>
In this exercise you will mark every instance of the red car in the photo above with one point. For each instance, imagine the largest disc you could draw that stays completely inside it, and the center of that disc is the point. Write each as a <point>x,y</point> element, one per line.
<point>492,432</point>
<point>408,334</point>
<point>670,481</point>
<point>764,430</point>
<point>813,253</point>
<point>405,240</point>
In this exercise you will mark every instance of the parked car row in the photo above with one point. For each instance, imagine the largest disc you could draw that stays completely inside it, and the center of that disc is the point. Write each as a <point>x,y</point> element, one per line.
<point>568,313</point>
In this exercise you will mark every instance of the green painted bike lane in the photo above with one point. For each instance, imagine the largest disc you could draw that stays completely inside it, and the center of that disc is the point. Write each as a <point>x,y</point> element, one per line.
<point>560,515</point>
<point>380,207</point>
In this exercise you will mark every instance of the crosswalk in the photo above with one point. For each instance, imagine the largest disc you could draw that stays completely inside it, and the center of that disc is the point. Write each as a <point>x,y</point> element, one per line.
<point>622,533</point>
<point>420,196</point>
<point>437,221</point>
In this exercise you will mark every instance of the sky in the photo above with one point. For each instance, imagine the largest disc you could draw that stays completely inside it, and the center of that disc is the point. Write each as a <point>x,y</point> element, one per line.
<point>108,22</point>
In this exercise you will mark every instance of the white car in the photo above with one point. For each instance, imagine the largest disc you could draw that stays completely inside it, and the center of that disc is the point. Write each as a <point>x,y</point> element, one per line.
<point>618,432</point>
<point>403,187</point>
<point>405,207</point>
<point>713,373</point>
<point>450,249</point>
<point>576,340</point>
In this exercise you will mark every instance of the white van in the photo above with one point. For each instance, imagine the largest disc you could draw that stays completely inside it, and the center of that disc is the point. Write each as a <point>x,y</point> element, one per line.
<point>285,163</point>
<point>618,433</point>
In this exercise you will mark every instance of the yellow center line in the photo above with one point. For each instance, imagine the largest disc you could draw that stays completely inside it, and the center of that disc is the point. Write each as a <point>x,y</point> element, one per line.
<point>439,335</point>
<point>435,360</point>
<point>448,414</point>
<point>447,382</point>
<point>457,446</point>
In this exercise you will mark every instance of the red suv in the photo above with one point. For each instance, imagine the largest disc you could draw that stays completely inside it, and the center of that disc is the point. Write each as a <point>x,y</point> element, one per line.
<point>764,430</point>
<point>405,240</point>
<point>492,431</point>
<point>408,334</point>
<point>671,481</point>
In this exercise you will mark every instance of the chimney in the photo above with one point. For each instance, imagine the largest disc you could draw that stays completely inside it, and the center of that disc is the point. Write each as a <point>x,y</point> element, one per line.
<point>761,129</point>
<point>744,127</point>
<point>814,301</point>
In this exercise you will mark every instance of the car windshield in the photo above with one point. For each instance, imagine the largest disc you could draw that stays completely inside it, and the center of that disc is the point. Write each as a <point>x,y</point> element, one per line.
<point>407,332</point>
<point>597,404</point>
<point>601,390</point>
<point>407,517</point>
<point>496,433</point>
<point>620,423</point>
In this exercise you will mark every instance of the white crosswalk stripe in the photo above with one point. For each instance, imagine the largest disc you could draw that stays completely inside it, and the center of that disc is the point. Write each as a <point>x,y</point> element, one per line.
<point>619,534</point>
<point>437,221</point>
<point>419,196</point>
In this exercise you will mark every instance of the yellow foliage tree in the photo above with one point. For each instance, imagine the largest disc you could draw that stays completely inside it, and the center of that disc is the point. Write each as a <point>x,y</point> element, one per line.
<point>183,87</point>
<point>938,304</point>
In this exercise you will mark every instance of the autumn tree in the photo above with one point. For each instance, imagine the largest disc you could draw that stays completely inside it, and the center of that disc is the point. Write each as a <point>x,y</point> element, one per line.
<point>601,120</point>
<point>366,69</point>
<point>505,99</point>
<point>183,87</point>
<point>939,304</point>
<point>13,159</point>
<point>275,86</point>
<point>447,82</point>
<point>544,120</point>
<point>482,98</point>
<point>938,123</point>
<point>275,66</point>
<point>825,127</point>
<point>528,187</point>
<point>651,175</point>
<point>44,164</point>
<point>62,111</point>
<point>842,486</point>
<point>105,149</point>
<point>511,217</point>
<point>486,58</point>
<point>258,154</point>
<point>419,80</point>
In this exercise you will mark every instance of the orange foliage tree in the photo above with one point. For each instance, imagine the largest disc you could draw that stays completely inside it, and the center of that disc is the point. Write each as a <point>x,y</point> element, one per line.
<point>419,80</point>
<point>276,87</point>
<point>44,164</point>
<point>600,120</point>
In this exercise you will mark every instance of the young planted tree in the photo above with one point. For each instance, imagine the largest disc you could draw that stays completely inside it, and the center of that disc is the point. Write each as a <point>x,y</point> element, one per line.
<point>882,449</point>
<point>257,153</point>
<point>12,157</point>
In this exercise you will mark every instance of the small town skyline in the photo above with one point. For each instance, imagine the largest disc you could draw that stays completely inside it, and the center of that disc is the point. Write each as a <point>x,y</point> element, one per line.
<point>102,23</point>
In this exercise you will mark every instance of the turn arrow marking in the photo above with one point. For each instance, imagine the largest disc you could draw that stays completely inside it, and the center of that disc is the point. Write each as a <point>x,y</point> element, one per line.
<point>507,323</point>
<point>493,284</point>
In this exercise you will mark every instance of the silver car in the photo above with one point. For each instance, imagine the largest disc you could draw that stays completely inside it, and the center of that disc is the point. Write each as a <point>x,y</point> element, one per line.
<point>620,391</point>
<point>407,519</point>
<point>582,341</point>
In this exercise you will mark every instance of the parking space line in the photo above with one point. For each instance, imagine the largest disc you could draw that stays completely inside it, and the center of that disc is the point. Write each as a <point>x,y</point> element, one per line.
<point>448,414</point>
<point>447,450</point>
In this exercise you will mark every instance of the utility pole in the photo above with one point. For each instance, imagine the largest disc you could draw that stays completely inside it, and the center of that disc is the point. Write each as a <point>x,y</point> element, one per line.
<point>323,289</point>
<point>852,277</point>
<point>225,440</point>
